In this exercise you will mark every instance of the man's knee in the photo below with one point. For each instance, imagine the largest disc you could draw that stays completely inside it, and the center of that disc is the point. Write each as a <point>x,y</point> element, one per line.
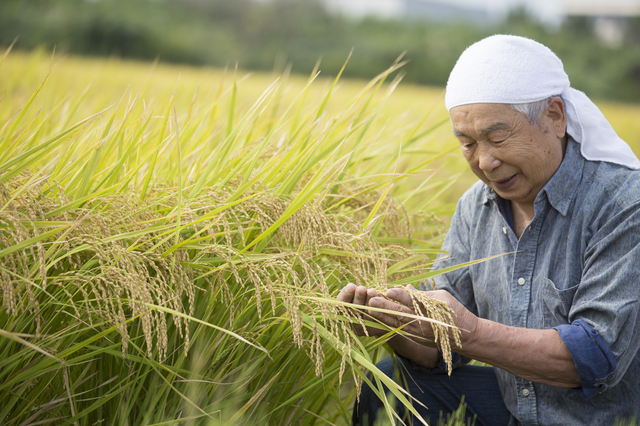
<point>438,394</point>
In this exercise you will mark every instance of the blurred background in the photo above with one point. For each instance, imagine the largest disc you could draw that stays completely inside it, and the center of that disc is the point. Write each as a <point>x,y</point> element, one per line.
<point>598,41</point>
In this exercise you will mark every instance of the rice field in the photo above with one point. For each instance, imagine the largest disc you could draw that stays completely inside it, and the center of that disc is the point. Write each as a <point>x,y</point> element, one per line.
<point>172,239</point>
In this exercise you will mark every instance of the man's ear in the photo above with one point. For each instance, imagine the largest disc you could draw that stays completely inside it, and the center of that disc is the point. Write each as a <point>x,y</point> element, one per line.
<point>556,113</point>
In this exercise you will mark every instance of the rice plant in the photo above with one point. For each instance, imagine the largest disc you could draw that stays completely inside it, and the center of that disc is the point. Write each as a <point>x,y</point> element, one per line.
<point>175,259</point>
<point>172,240</point>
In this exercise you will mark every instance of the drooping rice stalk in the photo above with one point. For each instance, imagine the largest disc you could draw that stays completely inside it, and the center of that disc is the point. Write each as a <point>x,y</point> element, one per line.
<point>167,259</point>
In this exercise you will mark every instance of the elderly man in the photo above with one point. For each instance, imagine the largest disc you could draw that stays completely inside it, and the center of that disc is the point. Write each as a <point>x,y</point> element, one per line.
<point>557,316</point>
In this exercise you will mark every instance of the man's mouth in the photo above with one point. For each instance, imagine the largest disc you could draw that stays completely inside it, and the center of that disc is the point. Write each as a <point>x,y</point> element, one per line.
<point>506,183</point>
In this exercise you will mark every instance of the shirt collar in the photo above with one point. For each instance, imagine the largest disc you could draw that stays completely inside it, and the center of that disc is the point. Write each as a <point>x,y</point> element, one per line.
<point>560,190</point>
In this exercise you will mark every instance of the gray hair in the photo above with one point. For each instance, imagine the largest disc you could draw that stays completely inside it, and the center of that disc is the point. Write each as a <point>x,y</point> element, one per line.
<point>534,110</point>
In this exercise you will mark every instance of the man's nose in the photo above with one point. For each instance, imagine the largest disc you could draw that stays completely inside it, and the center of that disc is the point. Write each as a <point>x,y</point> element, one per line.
<point>487,160</point>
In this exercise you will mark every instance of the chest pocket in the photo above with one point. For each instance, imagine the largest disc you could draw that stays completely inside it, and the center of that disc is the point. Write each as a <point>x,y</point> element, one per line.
<point>555,304</point>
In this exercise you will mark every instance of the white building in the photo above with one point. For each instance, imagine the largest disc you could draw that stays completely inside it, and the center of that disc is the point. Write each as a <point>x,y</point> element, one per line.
<point>610,17</point>
<point>552,11</point>
<point>412,9</point>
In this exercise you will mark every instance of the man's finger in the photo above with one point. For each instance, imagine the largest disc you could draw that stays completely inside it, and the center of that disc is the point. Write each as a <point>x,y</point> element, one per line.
<point>400,295</point>
<point>360,297</point>
<point>421,329</point>
<point>381,303</point>
<point>347,293</point>
<point>393,321</point>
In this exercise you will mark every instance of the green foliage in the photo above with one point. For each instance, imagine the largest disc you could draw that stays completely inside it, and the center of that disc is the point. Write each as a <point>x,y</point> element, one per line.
<point>172,258</point>
<point>457,418</point>
<point>170,252</point>
<point>270,35</point>
<point>626,422</point>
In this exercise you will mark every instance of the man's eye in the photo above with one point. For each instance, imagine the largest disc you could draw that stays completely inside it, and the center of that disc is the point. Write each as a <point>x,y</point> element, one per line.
<point>498,137</point>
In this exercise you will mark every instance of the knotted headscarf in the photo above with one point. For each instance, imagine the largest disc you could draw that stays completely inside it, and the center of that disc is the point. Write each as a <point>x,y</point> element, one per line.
<point>509,69</point>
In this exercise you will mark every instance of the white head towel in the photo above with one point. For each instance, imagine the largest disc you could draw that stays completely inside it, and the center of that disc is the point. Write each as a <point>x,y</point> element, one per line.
<point>511,70</point>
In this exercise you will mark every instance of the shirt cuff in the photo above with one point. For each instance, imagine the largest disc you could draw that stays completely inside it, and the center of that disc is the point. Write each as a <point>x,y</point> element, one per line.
<point>591,355</point>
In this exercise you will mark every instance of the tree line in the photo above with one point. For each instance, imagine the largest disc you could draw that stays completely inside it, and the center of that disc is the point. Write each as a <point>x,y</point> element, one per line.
<point>297,33</point>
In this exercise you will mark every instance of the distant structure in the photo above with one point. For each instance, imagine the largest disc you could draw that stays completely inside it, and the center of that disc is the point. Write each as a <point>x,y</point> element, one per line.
<point>610,18</point>
<point>609,15</point>
<point>433,10</point>
<point>447,11</point>
<point>358,9</point>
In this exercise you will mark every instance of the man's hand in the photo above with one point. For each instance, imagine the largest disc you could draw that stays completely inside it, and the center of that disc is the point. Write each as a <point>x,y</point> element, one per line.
<point>360,295</point>
<point>537,355</point>
<point>421,331</point>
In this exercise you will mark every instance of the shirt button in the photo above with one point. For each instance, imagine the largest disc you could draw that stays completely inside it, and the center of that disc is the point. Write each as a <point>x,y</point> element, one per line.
<point>521,281</point>
<point>525,392</point>
<point>504,230</point>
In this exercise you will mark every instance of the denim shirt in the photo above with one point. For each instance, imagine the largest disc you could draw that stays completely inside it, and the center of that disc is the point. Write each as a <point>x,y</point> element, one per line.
<point>575,268</point>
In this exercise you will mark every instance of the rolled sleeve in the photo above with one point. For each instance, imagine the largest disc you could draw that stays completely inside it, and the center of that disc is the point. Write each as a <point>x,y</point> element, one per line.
<point>591,355</point>
<point>607,297</point>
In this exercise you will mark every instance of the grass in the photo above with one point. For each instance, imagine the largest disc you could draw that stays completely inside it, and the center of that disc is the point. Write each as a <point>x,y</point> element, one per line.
<point>172,239</point>
<point>172,258</point>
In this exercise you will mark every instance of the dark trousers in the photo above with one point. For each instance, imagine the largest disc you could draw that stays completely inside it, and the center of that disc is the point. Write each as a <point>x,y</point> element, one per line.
<point>440,394</point>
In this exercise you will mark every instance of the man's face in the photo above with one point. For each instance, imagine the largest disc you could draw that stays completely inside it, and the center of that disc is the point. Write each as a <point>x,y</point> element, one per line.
<point>513,157</point>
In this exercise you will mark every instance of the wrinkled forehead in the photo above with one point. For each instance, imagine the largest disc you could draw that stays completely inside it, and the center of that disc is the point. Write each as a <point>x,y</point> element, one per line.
<point>504,70</point>
<point>481,119</point>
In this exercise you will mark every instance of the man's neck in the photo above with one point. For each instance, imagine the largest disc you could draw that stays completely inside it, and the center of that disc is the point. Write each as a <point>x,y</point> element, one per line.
<point>522,216</point>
